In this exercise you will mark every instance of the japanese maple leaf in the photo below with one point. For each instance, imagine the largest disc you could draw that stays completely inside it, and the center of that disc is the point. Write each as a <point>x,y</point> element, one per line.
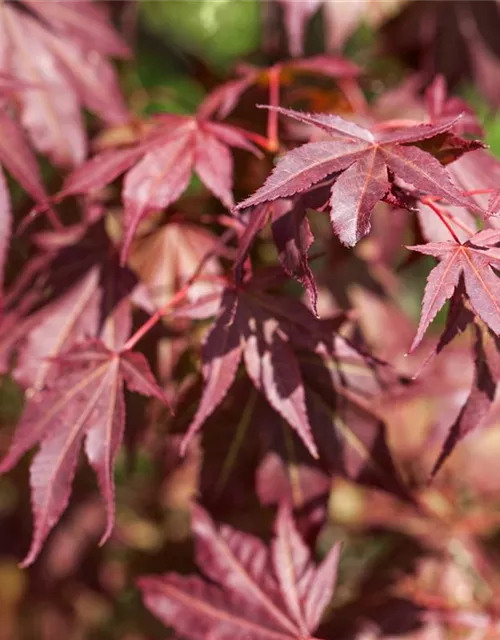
<point>83,293</point>
<point>481,395</point>
<point>164,160</point>
<point>358,162</point>
<point>251,592</point>
<point>442,383</point>
<point>85,402</point>
<point>61,47</point>
<point>473,261</point>
<point>296,17</point>
<point>292,236</point>
<point>253,328</point>
<point>341,18</point>
<point>424,33</point>
<point>17,157</point>
<point>342,395</point>
<point>169,256</point>
<point>312,379</point>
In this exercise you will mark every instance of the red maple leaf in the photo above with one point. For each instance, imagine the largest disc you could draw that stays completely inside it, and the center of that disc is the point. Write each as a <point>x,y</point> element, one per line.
<point>358,161</point>
<point>83,293</point>
<point>292,236</point>
<point>341,18</point>
<point>481,395</point>
<point>17,157</point>
<point>423,34</point>
<point>474,262</point>
<point>313,379</point>
<point>247,327</point>
<point>85,401</point>
<point>250,592</point>
<point>166,258</point>
<point>164,160</point>
<point>61,48</point>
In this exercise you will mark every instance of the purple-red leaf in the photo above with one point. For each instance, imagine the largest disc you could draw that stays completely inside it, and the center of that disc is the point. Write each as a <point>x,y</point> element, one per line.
<point>17,157</point>
<point>221,356</point>
<point>272,367</point>
<point>305,588</point>
<point>473,261</point>
<point>85,402</point>
<point>167,154</point>
<point>100,170</point>
<point>481,396</point>
<point>60,49</point>
<point>358,163</point>
<point>86,295</point>
<point>146,187</point>
<point>253,328</point>
<point>293,238</point>
<point>244,599</point>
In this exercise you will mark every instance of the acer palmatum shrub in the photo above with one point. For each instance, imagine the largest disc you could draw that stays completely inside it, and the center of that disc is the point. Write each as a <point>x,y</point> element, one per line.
<point>218,283</point>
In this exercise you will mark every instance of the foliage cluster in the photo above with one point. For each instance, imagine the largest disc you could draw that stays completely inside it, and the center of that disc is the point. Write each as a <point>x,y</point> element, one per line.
<point>216,305</point>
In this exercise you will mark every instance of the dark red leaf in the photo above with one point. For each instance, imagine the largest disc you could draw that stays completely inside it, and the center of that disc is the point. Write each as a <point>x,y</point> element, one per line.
<point>168,153</point>
<point>221,354</point>
<point>481,396</point>
<point>244,599</point>
<point>358,162</point>
<point>18,159</point>
<point>243,327</point>
<point>86,295</point>
<point>85,402</point>
<point>293,238</point>
<point>472,260</point>
<point>61,51</point>
<point>272,367</point>
<point>327,397</point>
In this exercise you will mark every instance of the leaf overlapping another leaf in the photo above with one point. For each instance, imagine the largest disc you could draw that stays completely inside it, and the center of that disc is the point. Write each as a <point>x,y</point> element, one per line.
<point>247,327</point>
<point>85,402</point>
<point>313,379</point>
<point>84,294</point>
<point>61,49</point>
<point>254,592</point>
<point>482,393</point>
<point>358,163</point>
<point>159,166</point>
<point>474,262</point>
